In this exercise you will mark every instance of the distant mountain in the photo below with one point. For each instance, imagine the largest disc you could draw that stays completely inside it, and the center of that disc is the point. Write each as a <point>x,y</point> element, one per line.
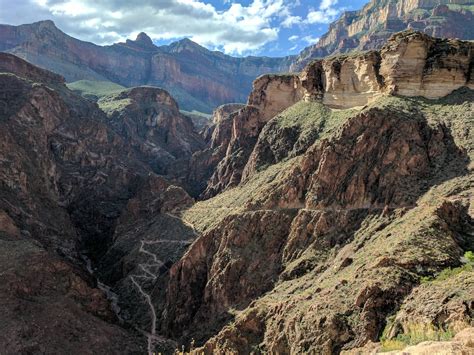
<point>198,78</point>
<point>372,26</point>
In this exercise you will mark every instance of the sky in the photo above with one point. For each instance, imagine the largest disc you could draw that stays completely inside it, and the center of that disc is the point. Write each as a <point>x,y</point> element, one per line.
<point>235,27</point>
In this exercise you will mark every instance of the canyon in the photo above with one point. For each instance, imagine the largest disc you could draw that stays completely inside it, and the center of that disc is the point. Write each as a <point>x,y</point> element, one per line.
<point>333,212</point>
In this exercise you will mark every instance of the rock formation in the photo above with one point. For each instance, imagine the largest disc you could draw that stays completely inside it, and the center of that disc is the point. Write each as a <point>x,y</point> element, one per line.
<point>364,185</point>
<point>410,64</point>
<point>149,118</point>
<point>73,184</point>
<point>271,94</point>
<point>376,22</point>
<point>217,137</point>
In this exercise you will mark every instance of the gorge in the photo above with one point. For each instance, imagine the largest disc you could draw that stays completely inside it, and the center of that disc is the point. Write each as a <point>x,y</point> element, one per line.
<point>319,217</point>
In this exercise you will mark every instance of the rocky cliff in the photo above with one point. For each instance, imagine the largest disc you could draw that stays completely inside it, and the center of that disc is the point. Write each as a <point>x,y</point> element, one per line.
<point>410,64</point>
<point>349,212</point>
<point>73,184</point>
<point>198,78</point>
<point>271,94</point>
<point>370,27</point>
<point>150,119</point>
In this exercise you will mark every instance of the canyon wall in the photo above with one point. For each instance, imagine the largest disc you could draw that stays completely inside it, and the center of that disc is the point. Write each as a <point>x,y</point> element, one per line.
<point>199,79</point>
<point>376,22</point>
<point>409,64</point>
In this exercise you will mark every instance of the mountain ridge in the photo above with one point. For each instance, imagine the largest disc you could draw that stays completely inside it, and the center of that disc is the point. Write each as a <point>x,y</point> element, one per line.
<point>211,79</point>
<point>201,79</point>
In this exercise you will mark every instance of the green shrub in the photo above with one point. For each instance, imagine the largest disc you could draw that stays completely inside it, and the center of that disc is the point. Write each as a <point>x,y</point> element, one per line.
<point>414,334</point>
<point>450,272</point>
<point>469,256</point>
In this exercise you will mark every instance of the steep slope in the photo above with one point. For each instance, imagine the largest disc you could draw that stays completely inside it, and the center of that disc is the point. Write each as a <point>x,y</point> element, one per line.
<point>70,182</point>
<point>409,64</point>
<point>357,244</point>
<point>198,78</point>
<point>344,208</point>
<point>149,118</point>
<point>370,27</point>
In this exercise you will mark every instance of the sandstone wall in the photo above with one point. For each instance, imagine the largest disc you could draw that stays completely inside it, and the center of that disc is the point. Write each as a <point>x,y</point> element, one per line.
<point>372,26</point>
<point>410,64</point>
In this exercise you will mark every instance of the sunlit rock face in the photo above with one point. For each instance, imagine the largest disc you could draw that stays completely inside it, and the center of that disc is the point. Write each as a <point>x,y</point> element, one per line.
<point>372,26</point>
<point>410,64</point>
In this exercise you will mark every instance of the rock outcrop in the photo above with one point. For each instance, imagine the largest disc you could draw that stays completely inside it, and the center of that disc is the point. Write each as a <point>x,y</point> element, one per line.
<point>372,26</point>
<point>202,165</point>
<point>271,94</point>
<point>462,343</point>
<point>409,64</point>
<point>150,120</point>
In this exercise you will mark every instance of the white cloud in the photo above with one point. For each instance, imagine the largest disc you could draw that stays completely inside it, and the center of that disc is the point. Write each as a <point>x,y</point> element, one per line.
<point>327,4</point>
<point>291,20</point>
<point>326,13</point>
<point>238,29</point>
<point>310,39</point>
<point>293,38</point>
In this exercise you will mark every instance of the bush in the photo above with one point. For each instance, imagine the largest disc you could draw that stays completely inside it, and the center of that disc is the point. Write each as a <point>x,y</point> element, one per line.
<point>415,334</point>
<point>469,256</point>
<point>450,272</point>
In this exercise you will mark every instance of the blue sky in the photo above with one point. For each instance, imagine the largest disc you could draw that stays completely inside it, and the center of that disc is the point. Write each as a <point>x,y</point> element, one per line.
<point>236,27</point>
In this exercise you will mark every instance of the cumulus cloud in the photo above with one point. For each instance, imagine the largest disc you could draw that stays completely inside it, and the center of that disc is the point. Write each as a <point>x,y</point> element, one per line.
<point>326,13</point>
<point>310,39</point>
<point>289,21</point>
<point>237,29</point>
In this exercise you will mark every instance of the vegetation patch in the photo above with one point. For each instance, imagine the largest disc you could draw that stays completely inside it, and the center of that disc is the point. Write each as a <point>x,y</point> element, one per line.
<point>110,104</point>
<point>416,333</point>
<point>447,273</point>
<point>94,90</point>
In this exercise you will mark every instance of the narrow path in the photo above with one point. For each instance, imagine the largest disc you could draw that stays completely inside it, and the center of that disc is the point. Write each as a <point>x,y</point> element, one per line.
<point>152,332</point>
<point>146,275</point>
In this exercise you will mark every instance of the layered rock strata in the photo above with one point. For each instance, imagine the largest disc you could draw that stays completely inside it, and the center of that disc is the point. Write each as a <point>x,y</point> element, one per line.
<point>410,64</point>
<point>372,26</point>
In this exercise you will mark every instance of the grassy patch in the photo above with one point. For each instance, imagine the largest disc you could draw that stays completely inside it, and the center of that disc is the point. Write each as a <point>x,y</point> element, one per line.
<point>94,89</point>
<point>451,272</point>
<point>459,7</point>
<point>313,116</point>
<point>415,334</point>
<point>207,214</point>
<point>110,104</point>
